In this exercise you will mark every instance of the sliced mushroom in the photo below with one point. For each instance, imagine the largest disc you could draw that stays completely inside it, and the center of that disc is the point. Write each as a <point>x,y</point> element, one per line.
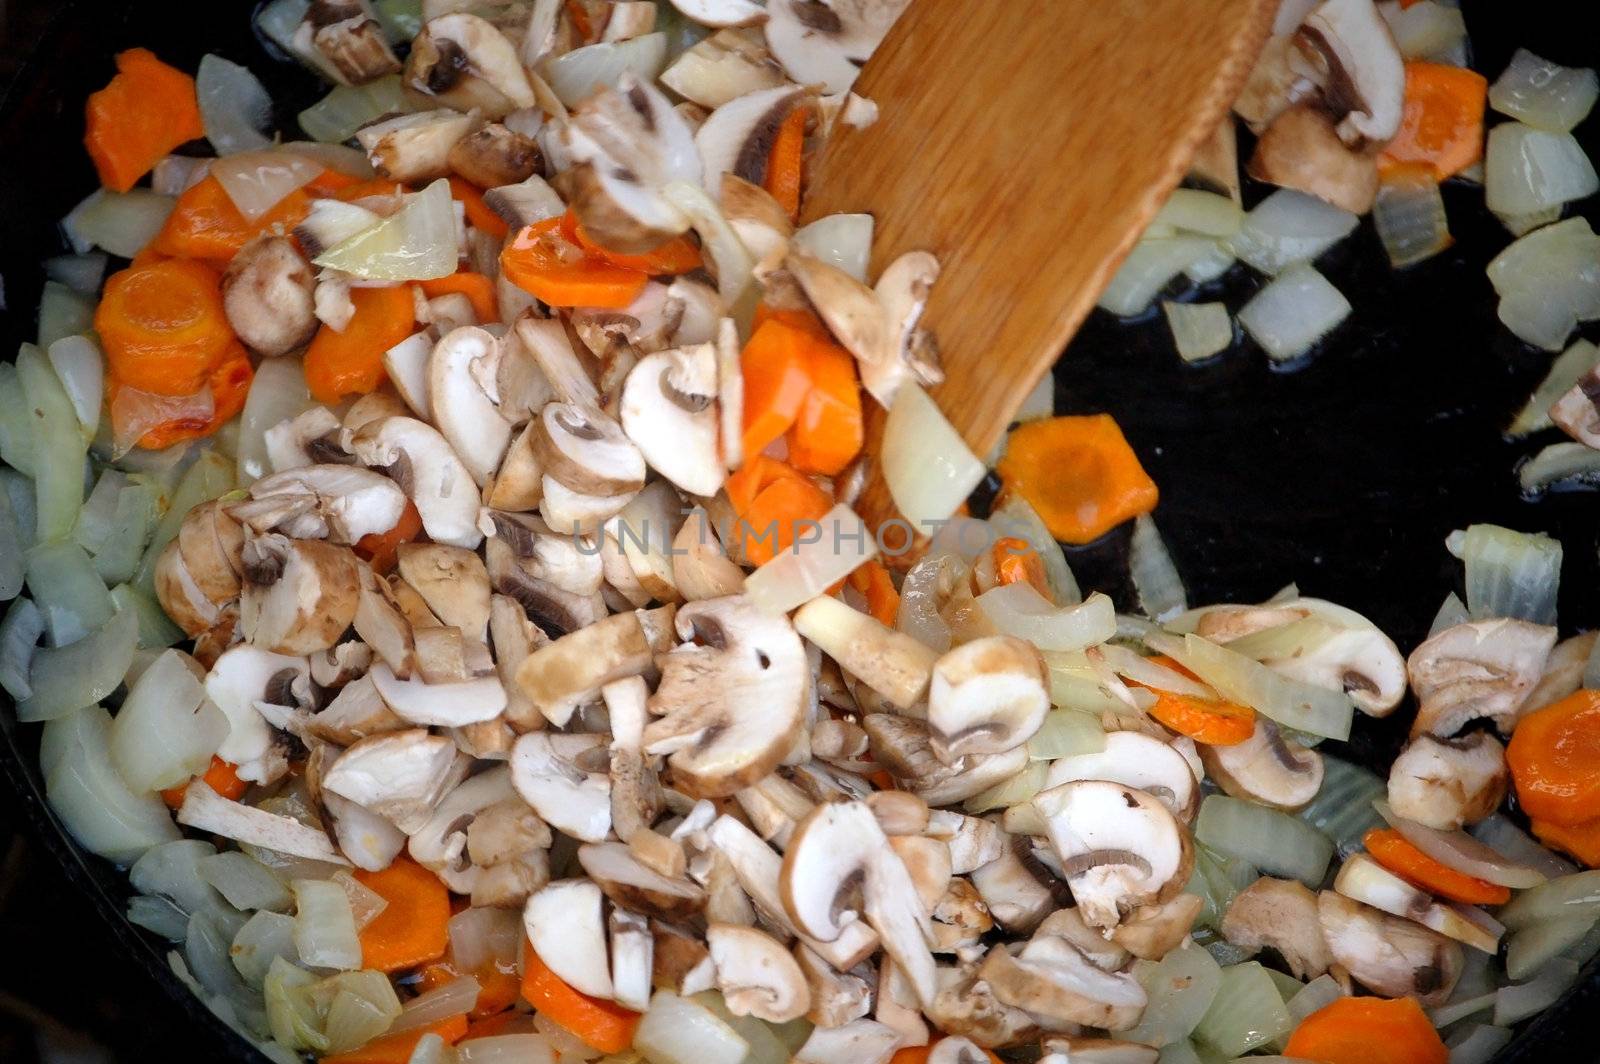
<point>825,44</point>
<point>585,450</point>
<point>721,12</point>
<point>910,353</point>
<point>973,841</point>
<point>312,438</point>
<point>356,712</point>
<point>1389,955</point>
<point>1476,669</point>
<point>1119,847</point>
<point>400,776</point>
<point>966,1006</point>
<point>1150,932</point>
<point>737,138</point>
<point>559,677</point>
<point>635,790</point>
<point>725,66</point>
<point>629,883</point>
<point>904,748</point>
<point>632,958</point>
<point>338,503</point>
<point>891,663</point>
<point>382,625</point>
<point>564,924</point>
<point>1576,412</point>
<point>1563,671</point>
<point>440,844</point>
<point>1364,880</point>
<point>452,581</point>
<point>205,810</point>
<point>896,1006</point>
<point>267,295</point>
<point>299,595</point>
<point>338,665</point>
<point>542,553</point>
<point>1282,914</point>
<point>448,704</point>
<point>493,156</point>
<point>464,412</point>
<point>848,307</point>
<point>859,1041</point>
<point>960,919</point>
<point>425,466</point>
<point>1135,760</point>
<point>756,975</point>
<point>701,568</point>
<point>1302,150</point>
<point>212,545</point>
<point>1349,45</point>
<point>1266,768</point>
<point>836,997</point>
<point>1106,954</point>
<point>241,677</point>
<point>986,697</point>
<point>1448,783</point>
<point>346,41</point>
<point>573,801</point>
<point>669,411</point>
<point>1052,979</point>
<point>467,64</point>
<point>731,704</point>
<point>415,148</point>
<point>927,861</point>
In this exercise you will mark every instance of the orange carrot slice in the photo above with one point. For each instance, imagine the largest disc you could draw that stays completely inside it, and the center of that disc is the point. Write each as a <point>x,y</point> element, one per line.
<point>146,110</point>
<point>1442,125</point>
<point>599,1024</point>
<point>1079,473</point>
<point>413,928</point>
<point>1390,849</point>
<point>1368,1030</point>
<point>350,362</point>
<point>1554,757</point>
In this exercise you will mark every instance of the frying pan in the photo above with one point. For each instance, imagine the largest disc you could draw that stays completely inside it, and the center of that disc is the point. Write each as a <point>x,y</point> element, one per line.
<point>1343,473</point>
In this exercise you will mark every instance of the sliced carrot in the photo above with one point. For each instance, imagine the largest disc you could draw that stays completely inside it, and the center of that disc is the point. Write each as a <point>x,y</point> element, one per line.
<point>597,1023</point>
<point>1579,840</point>
<point>206,225</point>
<point>750,479</point>
<point>397,1048</point>
<point>1442,125</point>
<point>382,549</point>
<point>329,182</point>
<point>678,255</point>
<point>479,215</point>
<point>920,1054</point>
<point>345,363</point>
<point>1015,562</point>
<point>776,365</point>
<point>220,777</point>
<point>1079,473</point>
<point>872,580</point>
<point>1389,848</point>
<point>798,318</point>
<point>1554,757</point>
<point>785,162</point>
<point>475,286</point>
<point>1215,723</point>
<point>145,111</point>
<point>163,326</point>
<point>1368,1030</point>
<point>229,384</point>
<point>413,928</point>
<point>542,261</point>
<point>498,990</point>
<point>778,514</point>
<point>828,430</point>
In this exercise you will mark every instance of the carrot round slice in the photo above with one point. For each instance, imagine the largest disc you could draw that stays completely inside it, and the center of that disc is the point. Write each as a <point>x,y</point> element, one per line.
<point>1389,848</point>
<point>413,928</point>
<point>382,549</point>
<point>1581,841</point>
<point>599,1024</point>
<point>1368,1030</point>
<point>1442,124</point>
<point>163,326</point>
<point>541,261</point>
<point>1079,473</point>
<point>1554,756</point>
<point>397,1048</point>
<point>345,363</point>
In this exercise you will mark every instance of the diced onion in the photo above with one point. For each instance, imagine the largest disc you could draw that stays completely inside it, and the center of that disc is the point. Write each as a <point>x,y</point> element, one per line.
<point>1018,610</point>
<point>1217,879</point>
<point>363,1006</point>
<point>167,729</point>
<point>156,630</point>
<point>1516,1003</point>
<point>234,106</point>
<point>454,998</point>
<point>19,638</point>
<point>1148,673</point>
<point>506,1049</point>
<point>576,74</point>
<point>172,870</point>
<point>176,174</point>
<point>1570,365</point>
<point>17,446</point>
<point>119,222</point>
<point>1555,899</point>
<point>1559,466</point>
<point>1017,517</point>
<point>1293,312</point>
<point>340,158</point>
<point>115,523</point>
<point>1012,791</point>
<point>1199,330</point>
<point>64,679</point>
<point>1196,211</point>
<point>1275,842</point>
<point>264,937</point>
<point>678,1031</point>
<point>246,883</point>
<point>1246,1012</point>
<point>1478,1044</point>
<point>1149,267</point>
<point>78,362</point>
<point>1523,224</point>
<point>11,547</point>
<point>1543,94</point>
<point>928,467</point>
<point>817,559</point>
<point>158,916</point>
<point>279,19</point>
<point>59,445</point>
<point>257,181</point>
<point>729,258</point>
<point>324,926</point>
<point>366,904</point>
<point>63,312</point>
<point>1067,733</point>
<point>1509,574</point>
<point>1467,855</point>
<point>842,240</point>
<point>416,243</point>
<point>480,937</point>
<point>1500,834</point>
<point>1452,611</point>
<point>1239,679</point>
<point>1212,264</point>
<point>401,19</point>
<point>1459,1008</point>
<point>1155,578</point>
<point>97,808</point>
<point>1041,402</point>
<point>1409,216</point>
<point>1181,988</point>
<point>81,273</point>
<point>1289,227</point>
<point>67,591</point>
<point>1321,992</point>
<point>1548,281</point>
<point>336,117</point>
<point>1424,29</point>
<point>1529,950</point>
<point>278,393</point>
<point>1342,809</point>
<point>1529,170</point>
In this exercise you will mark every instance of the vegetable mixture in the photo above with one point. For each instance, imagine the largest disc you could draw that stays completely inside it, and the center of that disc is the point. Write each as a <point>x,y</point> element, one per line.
<point>541,695</point>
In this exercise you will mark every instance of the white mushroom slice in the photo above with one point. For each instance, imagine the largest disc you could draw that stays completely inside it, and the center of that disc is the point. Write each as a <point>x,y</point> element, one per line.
<point>1051,978</point>
<point>1150,932</point>
<point>572,801</point>
<point>986,697</point>
<point>585,450</point>
<point>565,928</point>
<point>441,843</point>
<point>825,43</point>
<point>1301,150</point>
<point>446,705</point>
<point>890,662</point>
<point>895,1005</point>
<point>299,595</point>
<point>1389,955</point>
<point>1280,78</point>
<point>465,62</point>
<point>267,296</point>
<point>774,806</point>
<point>414,148</point>
<point>632,952</point>
<point>1135,760</point>
<point>1563,671</point>
<point>211,543</point>
<point>1328,646</point>
<point>723,67</point>
<point>337,666</point>
<point>452,581</point>
<point>519,482</point>
<point>836,997</point>
<point>205,810</point>
<point>551,348</point>
<point>960,919</point>
<point>309,439</point>
<point>1107,955</point>
<point>701,568</point>
<point>180,598</point>
<point>422,462</point>
<point>1074,1049</point>
<point>1477,669</point>
<point>756,975</point>
<point>494,156</point>
<point>838,850</point>
<point>973,842</point>
<point>909,354</point>
<point>1280,913</point>
<point>669,411</point>
<point>574,512</point>
<point>466,414</point>
<point>957,1051</point>
<point>903,747</point>
<point>721,12</point>
<point>344,40</point>
<point>348,502</point>
<point>738,136</point>
<point>382,626</point>
<point>849,308</point>
<point>1364,880</point>
<point>1266,768</point>
<point>731,705</point>
<point>400,776</point>
<point>966,1006</point>
<point>1448,783</point>
<point>927,861</point>
<point>1017,895</point>
<point>630,884</point>
<point>1119,847</point>
<point>1361,68</point>
<point>569,564</point>
<point>241,677</point>
<point>553,608</point>
<point>368,410</point>
<point>563,675</point>
<point>859,1041</point>
<point>356,712</point>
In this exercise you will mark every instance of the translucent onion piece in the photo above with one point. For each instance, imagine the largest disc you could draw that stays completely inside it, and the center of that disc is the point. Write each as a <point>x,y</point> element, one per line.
<point>928,467</point>
<point>1211,265</point>
<point>1342,809</point>
<point>156,631</point>
<point>1009,792</point>
<point>1195,211</point>
<point>1452,611</point>
<point>136,412</point>
<point>119,222</point>
<point>1319,993</point>
<point>1017,517</point>
<point>1424,29</point>
<point>290,1012</point>
<point>1529,170</point>
<point>1509,574</point>
<point>416,243</point>
<point>401,19</point>
<point>507,1049</point>
<point>115,522</point>
<point>842,240</point>
<point>1559,466</point>
<point>277,393</point>
<point>234,106</point>
<point>1239,679</point>
<point>1469,856</point>
<point>729,259</point>
<point>921,593</point>
<point>1199,330</point>
<point>263,938</point>
<point>1149,267</point>
<point>1543,94</point>
<point>1548,281</point>
<point>366,904</point>
<point>324,926</point>
<point>257,181</point>
<point>67,591</point>
<point>1149,673</point>
<point>1275,842</point>
<point>246,883</point>
<point>1500,834</point>
<point>340,158</point>
<point>1245,1013</point>
<point>1181,988</point>
<point>817,559</point>
<point>158,916</point>
<point>363,1006</point>
<point>1522,224</point>
<point>1573,895</point>
<point>1570,365</point>
<point>677,1031</point>
<point>11,547</point>
<point>63,312</point>
<point>336,117</point>
<point>209,476</point>
<point>19,638</point>
<point>1516,1003</point>
<point>1292,313</point>
<point>279,19</point>
<point>1530,949</point>
<point>1289,227</point>
<point>167,729</point>
<point>578,73</point>
<point>95,806</point>
<point>452,999</point>
<point>1217,878</point>
<point>81,273</point>
<point>64,679</point>
<point>1067,733</point>
<point>1409,216</point>
<point>17,445</point>
<point>1155,578</point>
<point>1477,1043</point>
<point>59,446</point>
<point>1018,610</point>
<point>79,364</point>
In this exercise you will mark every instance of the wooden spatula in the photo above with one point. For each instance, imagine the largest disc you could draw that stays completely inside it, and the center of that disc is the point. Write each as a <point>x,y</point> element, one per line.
<point>1027,144</point>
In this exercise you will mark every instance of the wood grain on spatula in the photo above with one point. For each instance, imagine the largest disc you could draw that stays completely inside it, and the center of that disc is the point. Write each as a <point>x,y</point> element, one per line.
<point>1027,143</point>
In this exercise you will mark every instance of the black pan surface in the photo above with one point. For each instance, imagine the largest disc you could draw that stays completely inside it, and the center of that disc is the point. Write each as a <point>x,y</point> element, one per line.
<point>1343,474</point>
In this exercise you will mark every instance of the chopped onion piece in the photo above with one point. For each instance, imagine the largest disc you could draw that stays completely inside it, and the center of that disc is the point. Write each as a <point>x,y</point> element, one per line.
<point>1275,842</point>
<point>1478,1044</point>
<point>1155,578</point>
<point>1467,855</point>
<point>507,1049</point>
<point>59,445</point>
<point>1211,265</point>
<point>679,1031</point>
<point>64,679</point>
<point>1321,992</point>
<point>340,158</point>
<point>1554,899</point>
<point>1460,1007</point>
<point>1543,94</point>
<point>19,638</point>
<point>729,258</point>
<point>1067,733</point>
<point>1293,312</point>
<point>12,545</point>
<point>363,1006</point>
<point>336,117</point>
<point>1529,170</point>
<point>1297,705</point>
<point>1570,365</point>
<point>324,926</point>
<point>167,729</point>
<point>1017,517</point>
<point>135,412</point>
<point>366,904</point>
<point>1289,227</point>
<point>1149,267</point>
<point>1499,833</point>
<point>1452,611</point>
<point>257,181</point>
<point>928,467</point>
<point>578,73</point>
<point>1548,281</point>
<point>119,222</point>
<point>277,393</point>
<point>817,559</point>
<point>81,273</point>
<point>156,631</point>
<point>246,883</point>
<point>1009,792</point>
<point>480,937</point>
<point>158,916</point>
<point>1181,989</point>
<point>63,312</point>
<point>1424,29</point>
<point>1247,1011</point>
<point>67,590</point>
<point>1509,574</point>
<point>1516,1003</point>
<point>79,364</point>
<point>278,20</point>
<point>452,999</point>
<point>1560,466</point>
<point>416,243</point>
<point>1409,216</point>
<point>234,106</point>
<point>1529,950</point>
<point>1199,330</point>
<point>264,937</point>
<point>1192,210</point>
<point>115,523</point>
<point>1342,809</point>
<point>842,240</point>
<point>1522,224</point>
<point>176,174</point>
<point>95,806</point>
<point>1019,610</point>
